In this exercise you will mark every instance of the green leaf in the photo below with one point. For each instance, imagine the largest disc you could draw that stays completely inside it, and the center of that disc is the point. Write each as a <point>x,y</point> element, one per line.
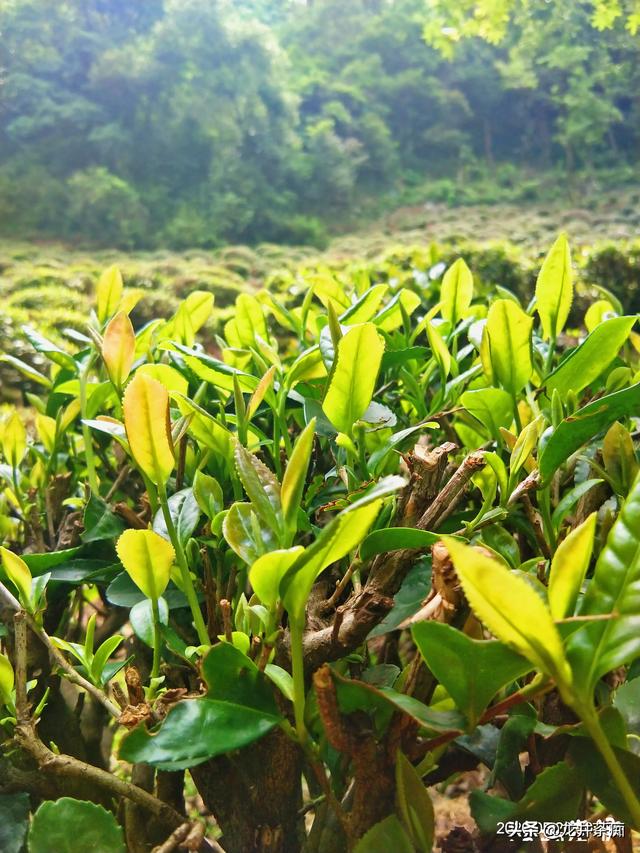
<point>511,609</point>
<point>341,535</point>
<point>619,456</point>
<point>354,376</point>
<point>603,645</point>
<point>395,538</point>
<point>471,671</point>
<point>141,618</point>
<point>53,352</point>
<point>456,292</point>
<point>554,289</point>
<point>238,709</point>
<point>100,522</point>
<point>261,485</point>
<point>242,530</point>
<point>439,349</point>
<point>267,572</point>
<point>26,369</point>
<point>383,702</point>
<point>102,655</point>
<point>387,835</point>
<point>366,306</point>
<point>493,407</point>
<point>569,568</point>
<point>507,345</point>
<point>555,795</point>
<point>587,422</point>
<point>570,499</point>
<point>379,457</point>
<point>295,474</point>
<point>69,825</point>
<point>185,514</point>
<point>414,805</point>
<point>208,493</point>
<point>597,777</point>
<point>586,362</point>
<point>408,600</point>
<point>14,821</point>
<point>281,678</point>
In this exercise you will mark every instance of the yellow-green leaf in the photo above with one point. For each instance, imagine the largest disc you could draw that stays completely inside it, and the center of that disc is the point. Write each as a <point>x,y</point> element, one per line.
<point>119,348</point>
<point>524,445</point>
<point>511,609</point>
<point>249,320</point>
<point>554,289</point>
<point>166,375</point>
<point>109,293</point>
<point>597,313</point>
<point>147,558</point>
<point>507,345</point>
<point>267,572</point>
<point>295,473</point>
<point>6,681</point>
<point>456,292</point>
<point>146,420</point>
<point>569,568</point>
<point>14,440</point>
<point>46,427</point>
<point>439,349</point>
<point>192,314</point>
<point>354,377</point>
<point>18,573</point>
<point>261,389</point>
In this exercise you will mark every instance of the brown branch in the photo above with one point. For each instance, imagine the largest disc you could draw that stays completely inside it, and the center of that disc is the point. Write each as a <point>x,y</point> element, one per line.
<point>368,607</point>
<point>448,498</point>
<point>331,602</point>
<point>20,638</point>
<point>67,766</point>
<point>58,657</point>
<point>119,480</point>
<point>177,837</point>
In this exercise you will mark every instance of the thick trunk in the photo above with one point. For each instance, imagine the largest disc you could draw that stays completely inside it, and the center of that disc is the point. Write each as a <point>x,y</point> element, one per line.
<point>256,797</point>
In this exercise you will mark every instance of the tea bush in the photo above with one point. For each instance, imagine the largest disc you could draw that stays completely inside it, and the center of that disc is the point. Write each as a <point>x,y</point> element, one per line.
<point>382,533</point>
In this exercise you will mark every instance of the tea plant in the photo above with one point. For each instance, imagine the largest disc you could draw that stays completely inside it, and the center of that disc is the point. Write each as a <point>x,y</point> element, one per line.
<point>375,537</point>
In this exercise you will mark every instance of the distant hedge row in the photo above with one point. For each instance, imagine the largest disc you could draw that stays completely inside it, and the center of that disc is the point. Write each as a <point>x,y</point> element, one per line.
<point>52,291</point>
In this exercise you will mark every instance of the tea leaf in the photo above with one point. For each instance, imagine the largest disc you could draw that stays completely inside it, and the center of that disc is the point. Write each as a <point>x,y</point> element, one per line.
<point>18,573</point>
<point>118,348</point>
<point>414,805</point>
<point>507,343</point>
<point>602,645</point>
<point>587,422</point>
<point>472,671</point>
<point>569,568</point>
<point>147,558</point>
<point>295,474</point>
<point>146,420</point>
<point>510,608</point>
<point>586,362</point>
<point>109,293</point>
<point>354,377</point>
<point>554,289</point>
<point>68,825</point>
<point>456,292</point>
